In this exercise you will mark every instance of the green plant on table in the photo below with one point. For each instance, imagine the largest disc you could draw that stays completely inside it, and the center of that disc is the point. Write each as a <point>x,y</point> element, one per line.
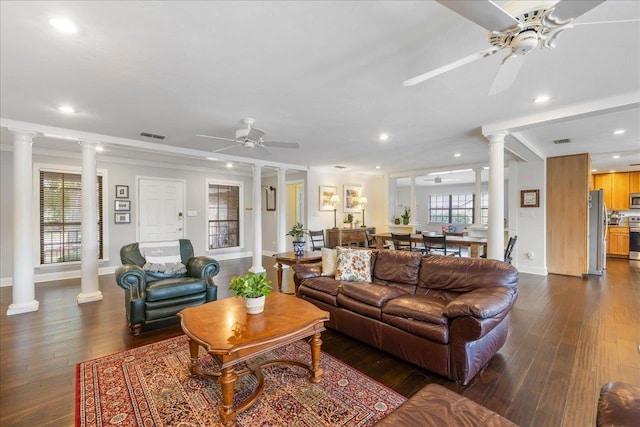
<point>297,232</point>
<point>406,215</point>
<point>251,286</point>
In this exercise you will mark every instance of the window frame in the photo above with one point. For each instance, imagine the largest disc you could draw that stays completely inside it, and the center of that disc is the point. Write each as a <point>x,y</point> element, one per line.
<point>484,209</point>
<point>241,224</point>
<point>44,167</point>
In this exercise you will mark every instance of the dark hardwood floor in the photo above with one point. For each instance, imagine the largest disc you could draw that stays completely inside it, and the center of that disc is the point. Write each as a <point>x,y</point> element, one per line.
<point>568,336</point>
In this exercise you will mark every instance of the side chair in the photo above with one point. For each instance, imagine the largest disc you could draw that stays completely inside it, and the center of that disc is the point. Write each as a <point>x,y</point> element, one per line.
<point>438,245</point>
<point>402,242</point>
<point>317,239</point>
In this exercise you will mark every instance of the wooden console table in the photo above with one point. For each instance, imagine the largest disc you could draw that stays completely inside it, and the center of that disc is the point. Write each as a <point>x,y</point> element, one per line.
<point>347,236</point>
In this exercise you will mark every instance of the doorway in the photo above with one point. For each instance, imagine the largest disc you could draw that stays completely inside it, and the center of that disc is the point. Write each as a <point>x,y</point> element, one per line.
<point>160,209</point>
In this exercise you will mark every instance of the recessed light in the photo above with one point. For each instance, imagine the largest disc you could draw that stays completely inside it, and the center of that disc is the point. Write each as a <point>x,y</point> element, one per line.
<point>594,170</point>
<point>377,166</point>
<point>541,99</point>
<point>457,155</point>
<point>229,165</point>
<point>99,148</point>
<point>384,136</point>
<point>67,109</point>
<point>616,156</point>
<point>212,158</point>
<point>63,25</point>
<point>618,132</point>
<point>612,171</point>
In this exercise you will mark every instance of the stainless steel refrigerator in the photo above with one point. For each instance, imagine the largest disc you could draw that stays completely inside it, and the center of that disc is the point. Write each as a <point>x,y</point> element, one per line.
<point>597,233</point>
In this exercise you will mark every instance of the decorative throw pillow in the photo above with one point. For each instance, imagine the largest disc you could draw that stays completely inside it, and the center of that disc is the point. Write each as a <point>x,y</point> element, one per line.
<point>329,261</point>
<point>354,265</point>
<point>160,252</point>
<point>171,268</point>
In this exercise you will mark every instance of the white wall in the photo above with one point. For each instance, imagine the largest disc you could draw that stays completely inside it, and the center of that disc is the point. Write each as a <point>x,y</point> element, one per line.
<point>121,171</point>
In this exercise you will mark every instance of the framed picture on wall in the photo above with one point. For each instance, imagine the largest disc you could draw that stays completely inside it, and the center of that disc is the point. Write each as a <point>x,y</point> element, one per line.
<point>351,195</point>
<point>122,191</point>
<point>530,198</point>
<point>325,197</point>
<point>122,205</point>
<point>122,218</point>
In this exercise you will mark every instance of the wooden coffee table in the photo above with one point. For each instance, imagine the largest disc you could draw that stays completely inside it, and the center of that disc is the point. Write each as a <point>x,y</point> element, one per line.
<point>225,330</point>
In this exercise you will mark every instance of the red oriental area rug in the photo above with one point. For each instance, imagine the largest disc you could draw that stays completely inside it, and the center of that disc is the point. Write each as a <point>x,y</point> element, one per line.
<point>151,386</point>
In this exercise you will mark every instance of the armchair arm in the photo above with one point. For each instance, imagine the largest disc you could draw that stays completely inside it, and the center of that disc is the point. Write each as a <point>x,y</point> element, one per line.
<point>482,303</point>
<point>130,277</point>
<point>303,271</point>
<point>204,268</point>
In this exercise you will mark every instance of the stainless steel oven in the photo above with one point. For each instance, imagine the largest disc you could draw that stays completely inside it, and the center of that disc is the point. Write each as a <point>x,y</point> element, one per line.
<point>634,237</point>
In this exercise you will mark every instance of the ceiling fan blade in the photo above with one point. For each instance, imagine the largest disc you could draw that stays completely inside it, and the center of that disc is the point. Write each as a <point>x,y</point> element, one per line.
<point>507,73</point>
<point>621,21</point>
<point>452,66</point>
<point>569,9</point>
<point>263,150</point>
<point>277,144</point>
<point>217,137</point>
<point>225,148</point>
<point>255,134</point>
<point>485,13</point>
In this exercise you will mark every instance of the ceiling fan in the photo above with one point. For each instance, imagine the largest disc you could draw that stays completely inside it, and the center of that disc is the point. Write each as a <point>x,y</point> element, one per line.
<point>439,180</point>
<point>251,137</point>
<point>519,26</point>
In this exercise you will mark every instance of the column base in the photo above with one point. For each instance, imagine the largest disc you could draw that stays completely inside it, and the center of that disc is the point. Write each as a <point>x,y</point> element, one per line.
<point>256,269</point>
<point>24,307</point>
<point>89,297</point>
<point>284,266</point>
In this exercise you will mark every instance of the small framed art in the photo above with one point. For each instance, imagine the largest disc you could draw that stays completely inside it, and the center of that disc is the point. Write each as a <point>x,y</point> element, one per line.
<point>122,191</point>
<point>325,197</point>
<point>122,205</point>
<point>123,218</point>
<point>530,198</point>
<point>351,196</point>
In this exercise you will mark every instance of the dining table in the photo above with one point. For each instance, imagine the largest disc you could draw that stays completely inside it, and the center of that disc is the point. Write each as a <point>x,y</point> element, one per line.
<point>473,243</point>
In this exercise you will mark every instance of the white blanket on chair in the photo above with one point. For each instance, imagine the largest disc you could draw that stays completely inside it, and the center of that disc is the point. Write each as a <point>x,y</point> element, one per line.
<point>167,252</point>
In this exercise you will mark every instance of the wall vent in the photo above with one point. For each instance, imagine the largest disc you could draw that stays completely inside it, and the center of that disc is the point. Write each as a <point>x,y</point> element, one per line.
<point>340,167</point>
<point>561,141</point>
<point>151,135</point>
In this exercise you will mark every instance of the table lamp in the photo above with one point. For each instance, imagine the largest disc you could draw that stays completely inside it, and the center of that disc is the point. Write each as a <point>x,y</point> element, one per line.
<point>334,200</point>
<point>362,201</point>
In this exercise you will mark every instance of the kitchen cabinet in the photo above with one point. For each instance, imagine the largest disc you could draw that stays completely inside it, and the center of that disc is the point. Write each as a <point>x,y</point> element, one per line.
<point>634,182</point>
<point>618,241</point>
<point>616,189</point>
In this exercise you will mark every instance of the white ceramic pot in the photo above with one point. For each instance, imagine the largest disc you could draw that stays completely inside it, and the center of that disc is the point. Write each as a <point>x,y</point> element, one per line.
<point>255,305</point>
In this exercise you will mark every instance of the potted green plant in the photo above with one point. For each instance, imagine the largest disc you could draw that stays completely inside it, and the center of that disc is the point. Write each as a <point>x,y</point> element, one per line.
<point>253,288</point>
<point>406,216</point>
<point>298,232</point>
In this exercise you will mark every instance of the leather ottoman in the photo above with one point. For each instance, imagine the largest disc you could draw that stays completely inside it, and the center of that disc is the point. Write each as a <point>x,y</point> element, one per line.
<point>438,406</point>
<point>619,405</point>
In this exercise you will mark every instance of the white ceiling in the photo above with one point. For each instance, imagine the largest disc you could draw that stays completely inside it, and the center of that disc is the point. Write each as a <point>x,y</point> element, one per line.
<point>327,75</point>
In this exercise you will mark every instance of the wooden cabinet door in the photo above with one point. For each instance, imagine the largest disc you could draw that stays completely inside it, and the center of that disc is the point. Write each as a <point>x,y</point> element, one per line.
<point>620,191</point>
<point>603,181</point>
<point>634,182</point>
<point>618,241</point>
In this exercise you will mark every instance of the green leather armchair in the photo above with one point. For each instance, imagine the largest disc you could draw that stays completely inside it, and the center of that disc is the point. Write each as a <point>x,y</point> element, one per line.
<point>151,296</point>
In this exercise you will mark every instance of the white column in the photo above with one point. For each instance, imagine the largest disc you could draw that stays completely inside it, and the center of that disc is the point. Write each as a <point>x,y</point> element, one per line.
<point>257,220</point>
<point>495,244</point>
<point>477,218</point>
<point>89,286</point>
<point>412,196</point>
<point>23,284</point>
<point>281,211</point>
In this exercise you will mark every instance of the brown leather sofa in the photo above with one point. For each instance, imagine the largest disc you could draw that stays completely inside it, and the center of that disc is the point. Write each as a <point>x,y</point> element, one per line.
<point>619,405</point>
<point>445,314</point>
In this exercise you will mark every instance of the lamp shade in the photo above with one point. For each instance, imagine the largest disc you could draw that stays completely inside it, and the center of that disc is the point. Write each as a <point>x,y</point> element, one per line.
<point>334,200</point>
<point>362,201</point>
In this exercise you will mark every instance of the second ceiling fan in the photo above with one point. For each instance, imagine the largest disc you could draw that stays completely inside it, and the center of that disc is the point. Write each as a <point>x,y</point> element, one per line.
<point>530,23</point>
<point>251,137</point>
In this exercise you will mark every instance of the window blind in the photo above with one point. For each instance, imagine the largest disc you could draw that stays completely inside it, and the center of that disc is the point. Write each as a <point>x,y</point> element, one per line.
<point>61,217</point>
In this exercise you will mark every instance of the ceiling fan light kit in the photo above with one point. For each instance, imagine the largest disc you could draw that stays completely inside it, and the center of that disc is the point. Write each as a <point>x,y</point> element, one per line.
<point>520,26</point>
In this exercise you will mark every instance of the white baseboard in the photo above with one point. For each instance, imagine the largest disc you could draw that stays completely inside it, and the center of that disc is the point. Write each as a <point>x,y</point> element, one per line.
<point>538,271</point>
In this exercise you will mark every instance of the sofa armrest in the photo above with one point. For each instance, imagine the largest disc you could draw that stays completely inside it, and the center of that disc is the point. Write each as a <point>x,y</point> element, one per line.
<point>204,268</point>
<point>130,277</point>
<point>305,271</point>
<point>482,303</point>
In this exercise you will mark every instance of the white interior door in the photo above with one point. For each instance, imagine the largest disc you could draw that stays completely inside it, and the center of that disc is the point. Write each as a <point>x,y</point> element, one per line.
<point>161,209</point>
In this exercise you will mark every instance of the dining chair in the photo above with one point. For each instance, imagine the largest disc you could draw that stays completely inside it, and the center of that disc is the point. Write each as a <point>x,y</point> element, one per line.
<point>438,245</point>
<point>372,242</point>
<point>317,239</point>
<point>402,242</point>
<point>507,250</point>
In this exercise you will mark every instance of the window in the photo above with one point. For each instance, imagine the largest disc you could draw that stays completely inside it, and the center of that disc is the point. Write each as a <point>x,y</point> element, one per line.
<point>456,208</point>
<point>61,217</point>
<point>223,213</point>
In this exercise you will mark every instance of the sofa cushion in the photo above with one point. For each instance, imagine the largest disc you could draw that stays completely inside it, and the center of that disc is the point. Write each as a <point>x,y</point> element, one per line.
<point>369,293</point>
<point>329,261</point>
<point>397,266</point>
<point>353,265</point>
<point>328,285</point>
<point>419,307</point>
<point>465,274</point>
<point>174,287</point>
